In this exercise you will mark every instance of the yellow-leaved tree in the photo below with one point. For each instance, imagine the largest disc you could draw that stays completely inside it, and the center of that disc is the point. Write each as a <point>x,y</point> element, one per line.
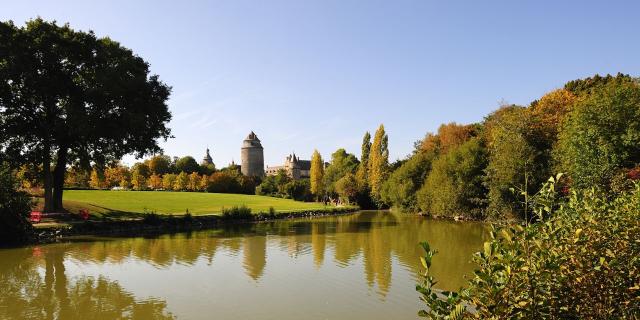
<point>317,173</point>
<point>378,162</point>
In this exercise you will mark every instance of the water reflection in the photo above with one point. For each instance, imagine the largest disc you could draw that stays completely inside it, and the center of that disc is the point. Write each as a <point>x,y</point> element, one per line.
<point>35,285</point>
<point>334,255</point>
<point>255,255</point>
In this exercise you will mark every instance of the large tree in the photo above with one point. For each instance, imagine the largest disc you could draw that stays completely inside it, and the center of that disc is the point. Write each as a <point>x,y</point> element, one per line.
<point>159,164</point>
<point>187,164</point>
<point>518,160</point>
<point>68,96</point>
<point>341,164</point>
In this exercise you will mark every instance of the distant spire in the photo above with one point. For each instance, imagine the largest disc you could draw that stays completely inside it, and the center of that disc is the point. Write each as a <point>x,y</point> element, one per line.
<point>207,157</point>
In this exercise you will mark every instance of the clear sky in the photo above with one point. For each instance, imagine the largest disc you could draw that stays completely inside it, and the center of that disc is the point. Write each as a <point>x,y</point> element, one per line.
<point>317,74</point>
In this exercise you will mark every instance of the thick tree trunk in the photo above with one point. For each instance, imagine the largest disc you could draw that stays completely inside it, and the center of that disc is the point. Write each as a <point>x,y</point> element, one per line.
<point>46,166</point>
<point>58,179</point>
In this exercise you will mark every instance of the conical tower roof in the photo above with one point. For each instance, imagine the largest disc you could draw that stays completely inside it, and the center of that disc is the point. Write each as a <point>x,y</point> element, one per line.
<point>252,136</point>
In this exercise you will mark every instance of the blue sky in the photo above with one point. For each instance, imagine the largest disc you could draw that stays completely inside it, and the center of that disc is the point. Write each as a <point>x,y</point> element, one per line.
<point>318,74</point>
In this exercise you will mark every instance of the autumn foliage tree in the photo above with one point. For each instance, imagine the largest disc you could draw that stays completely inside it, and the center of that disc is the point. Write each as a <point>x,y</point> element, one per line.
<point>378,162</point>
<point>449,136</point>
<point>317,174</point>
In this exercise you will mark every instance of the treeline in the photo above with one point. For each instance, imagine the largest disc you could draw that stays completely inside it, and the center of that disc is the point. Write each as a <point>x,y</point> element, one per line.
<point>159,172</point>
<point>345,179</point>
<point>589,129</point>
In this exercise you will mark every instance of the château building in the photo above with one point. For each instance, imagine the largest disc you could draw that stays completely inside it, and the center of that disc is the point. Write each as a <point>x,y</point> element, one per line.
<point>252,156</point>
<point>293,166</point>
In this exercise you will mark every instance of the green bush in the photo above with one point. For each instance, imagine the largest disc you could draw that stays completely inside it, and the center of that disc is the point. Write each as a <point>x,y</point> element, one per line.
<point>237,213</point>
<point>581,260</point>
<point>454,185</point>
<point>401,187</point>
<point>601,135</point>
<point>15,207</point>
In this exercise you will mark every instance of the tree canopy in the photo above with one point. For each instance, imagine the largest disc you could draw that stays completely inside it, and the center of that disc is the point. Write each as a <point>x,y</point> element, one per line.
<point>601,135</point>
<point>187,164</point>
<point>70,96</point>
<point>341,164</point>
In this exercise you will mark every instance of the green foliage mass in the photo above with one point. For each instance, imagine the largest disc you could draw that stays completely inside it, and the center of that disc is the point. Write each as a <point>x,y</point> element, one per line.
<point>588,85</point>
<point>347,188</point>
<point>187,164</point>
<point>14,210</point>
<point>341,164</point>
<point>401,188</point>
<point>67,96</point>
<point>283,186</point>
<point>238,212</point>
<point>454,185</point>
<point>601,135</point>
<point>581,260</point>
<point>517,160</point>
<point>363,169</point>
<point>589,130</point>
<point>159,164</point>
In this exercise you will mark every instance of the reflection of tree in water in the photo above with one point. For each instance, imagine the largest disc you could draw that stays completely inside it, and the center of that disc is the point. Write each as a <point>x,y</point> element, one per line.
<point>318,243</point>
<point>378,236</point>
<point>255,255</point>
<point>27,295</point>
<point>375,239</point>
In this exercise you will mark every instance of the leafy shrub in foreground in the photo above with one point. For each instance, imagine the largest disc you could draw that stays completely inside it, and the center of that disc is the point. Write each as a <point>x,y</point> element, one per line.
<point>581,260</point>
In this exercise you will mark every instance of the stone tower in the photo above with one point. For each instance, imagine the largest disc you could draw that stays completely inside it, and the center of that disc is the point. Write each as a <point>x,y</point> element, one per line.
<point>252,156</point>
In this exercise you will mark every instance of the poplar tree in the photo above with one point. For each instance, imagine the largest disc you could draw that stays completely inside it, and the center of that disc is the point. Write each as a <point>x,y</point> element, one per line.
<point>362,175</point>
<point>378,162</point>
<point>317,174</point>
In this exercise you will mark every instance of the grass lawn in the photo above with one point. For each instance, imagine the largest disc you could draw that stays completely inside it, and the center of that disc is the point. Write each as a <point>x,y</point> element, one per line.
<point>132,203</point>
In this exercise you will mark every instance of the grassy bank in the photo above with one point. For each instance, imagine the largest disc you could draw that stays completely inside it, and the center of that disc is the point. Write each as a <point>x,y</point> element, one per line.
<point>135,203</point>
<point>141,212</point>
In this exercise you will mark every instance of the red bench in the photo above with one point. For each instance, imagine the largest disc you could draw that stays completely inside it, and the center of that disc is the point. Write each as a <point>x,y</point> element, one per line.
<point>35,217</point>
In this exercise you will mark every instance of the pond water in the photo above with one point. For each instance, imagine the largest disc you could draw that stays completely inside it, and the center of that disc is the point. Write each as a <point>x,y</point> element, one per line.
<point>358,266</point>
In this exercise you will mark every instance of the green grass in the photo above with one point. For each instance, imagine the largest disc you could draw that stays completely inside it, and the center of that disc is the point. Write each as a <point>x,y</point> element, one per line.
<point>134,203</point>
